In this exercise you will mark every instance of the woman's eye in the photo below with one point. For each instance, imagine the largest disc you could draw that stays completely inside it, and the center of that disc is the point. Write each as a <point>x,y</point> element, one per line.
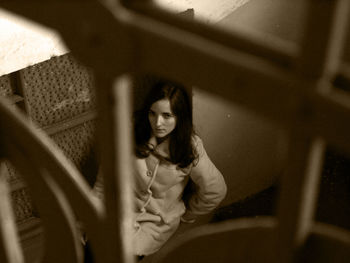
<point>151,113</point>
<point>167,115</point>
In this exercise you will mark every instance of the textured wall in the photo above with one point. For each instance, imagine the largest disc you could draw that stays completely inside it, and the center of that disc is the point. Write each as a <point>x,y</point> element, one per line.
<point>57,89</point>
<point>5,86</point>
<point>55,92</point>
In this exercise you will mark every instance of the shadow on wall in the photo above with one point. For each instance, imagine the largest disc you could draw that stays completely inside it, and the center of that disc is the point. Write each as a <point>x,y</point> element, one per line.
<point>247,150</point>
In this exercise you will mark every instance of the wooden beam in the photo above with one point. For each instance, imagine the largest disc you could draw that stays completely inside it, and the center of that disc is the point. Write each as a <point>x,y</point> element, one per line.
<point>279,95</point>
<point>114,138</point>
<point>324,37</point>
<point>14,98</point>
<point>70,123</point>
<point>272,48</point>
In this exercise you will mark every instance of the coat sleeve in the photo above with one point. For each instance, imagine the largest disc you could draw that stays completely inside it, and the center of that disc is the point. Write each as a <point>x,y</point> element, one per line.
<point>210,186</point>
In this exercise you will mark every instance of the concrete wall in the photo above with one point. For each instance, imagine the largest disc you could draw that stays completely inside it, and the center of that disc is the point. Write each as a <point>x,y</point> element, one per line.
<point>281,18</point>
<point>249,151</point>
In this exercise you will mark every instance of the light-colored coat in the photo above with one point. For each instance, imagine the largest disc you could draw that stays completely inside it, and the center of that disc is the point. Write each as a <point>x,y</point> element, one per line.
<point>159,186</point>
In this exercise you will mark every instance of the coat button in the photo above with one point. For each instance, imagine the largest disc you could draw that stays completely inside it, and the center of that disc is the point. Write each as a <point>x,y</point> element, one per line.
<point>149,173</point>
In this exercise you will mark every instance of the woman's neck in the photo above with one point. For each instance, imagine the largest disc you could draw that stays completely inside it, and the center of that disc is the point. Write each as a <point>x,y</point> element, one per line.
<point>162,139</point>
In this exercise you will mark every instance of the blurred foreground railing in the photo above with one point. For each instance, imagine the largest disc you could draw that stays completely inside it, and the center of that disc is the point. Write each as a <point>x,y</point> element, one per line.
<point>288,85</point>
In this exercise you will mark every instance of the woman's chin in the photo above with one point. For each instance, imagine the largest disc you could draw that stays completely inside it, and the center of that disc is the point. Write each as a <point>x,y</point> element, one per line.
<point>161,135</point>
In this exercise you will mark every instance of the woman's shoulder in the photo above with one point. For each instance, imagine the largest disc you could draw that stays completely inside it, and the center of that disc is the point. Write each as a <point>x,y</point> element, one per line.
<point>197,143</point>
<point>196,140</point>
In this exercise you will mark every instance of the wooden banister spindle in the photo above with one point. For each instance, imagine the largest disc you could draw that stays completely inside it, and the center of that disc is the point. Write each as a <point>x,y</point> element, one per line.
<point>114,131</point>
<point>122,112</point>
<point>62,241</point>
<point>10,250</point>
<point>53,182</point>
<point>324,37</point>
<point>299,190</point>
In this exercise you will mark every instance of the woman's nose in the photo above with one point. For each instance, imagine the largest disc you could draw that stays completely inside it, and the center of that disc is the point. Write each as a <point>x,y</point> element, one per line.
<point>159,120</point>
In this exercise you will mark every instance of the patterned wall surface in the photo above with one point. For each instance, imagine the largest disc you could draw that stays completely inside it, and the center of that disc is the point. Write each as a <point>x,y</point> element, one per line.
<point>76,142</point>
<point>57,89</point>
<point>12,176</point>
<point>78,145</point>
<point>5,86</point>
<point>22,205</point>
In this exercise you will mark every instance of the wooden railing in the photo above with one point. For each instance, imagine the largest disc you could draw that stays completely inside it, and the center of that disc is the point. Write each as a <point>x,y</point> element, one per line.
<point>287,84</point>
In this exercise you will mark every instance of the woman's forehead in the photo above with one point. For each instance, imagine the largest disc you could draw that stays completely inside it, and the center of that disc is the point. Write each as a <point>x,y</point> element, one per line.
<point>162,105</point>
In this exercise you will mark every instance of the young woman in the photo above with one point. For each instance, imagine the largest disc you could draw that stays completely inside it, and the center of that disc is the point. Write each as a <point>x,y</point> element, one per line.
<point>167,155</point>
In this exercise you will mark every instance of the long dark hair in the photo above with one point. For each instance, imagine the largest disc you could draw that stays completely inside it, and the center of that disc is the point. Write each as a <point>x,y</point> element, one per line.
<point>180,140</point>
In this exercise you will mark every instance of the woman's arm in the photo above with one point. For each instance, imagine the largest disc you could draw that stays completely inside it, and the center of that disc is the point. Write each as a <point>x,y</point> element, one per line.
<point>210,186</point>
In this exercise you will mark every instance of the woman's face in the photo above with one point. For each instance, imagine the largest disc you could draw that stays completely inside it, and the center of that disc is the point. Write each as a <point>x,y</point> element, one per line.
<point>161,118</point>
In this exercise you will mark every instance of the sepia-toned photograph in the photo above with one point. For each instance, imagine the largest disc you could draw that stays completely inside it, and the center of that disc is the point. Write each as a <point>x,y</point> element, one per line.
<point>175,131</point>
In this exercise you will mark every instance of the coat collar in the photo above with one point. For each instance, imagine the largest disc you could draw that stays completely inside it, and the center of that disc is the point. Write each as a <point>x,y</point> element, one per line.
<point>161,149</point>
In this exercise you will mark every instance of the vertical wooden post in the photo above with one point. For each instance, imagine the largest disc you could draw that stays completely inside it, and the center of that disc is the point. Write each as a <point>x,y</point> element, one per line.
<point>114,131</point>
<point>123,126</point>
<point>298,196</point>
<point>324,37</point>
